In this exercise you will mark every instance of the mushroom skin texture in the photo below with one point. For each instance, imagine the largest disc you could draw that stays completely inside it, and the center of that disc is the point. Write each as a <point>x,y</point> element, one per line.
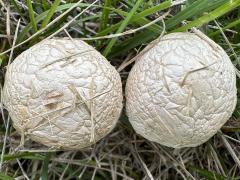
<point>63,93</point>
<point>181,91</point>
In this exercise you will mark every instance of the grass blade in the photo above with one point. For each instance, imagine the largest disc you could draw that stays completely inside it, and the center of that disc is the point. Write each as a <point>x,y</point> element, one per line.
<point>147,35</point>
<point>5,177</point>
<point>138,18</point>
<point>230,150</point>
<point>210,16</point>
<point>154,9</point>
<point>45,5</point>
<point>50,13</point>
<point>31,15</point>
<point>17,8</point>
<point>230,25</point>
<point>208,174</point>
<point>44,175</point>
<point>105,14</point>
<point>40,17</point>
<point>122,27</point>
<point>131,43</point>
<point>24,155</point>
<point>197,8</point>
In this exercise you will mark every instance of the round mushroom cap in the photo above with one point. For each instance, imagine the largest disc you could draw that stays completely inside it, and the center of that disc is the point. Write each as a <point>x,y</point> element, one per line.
<point>181,91</point>
<point>63,93</point>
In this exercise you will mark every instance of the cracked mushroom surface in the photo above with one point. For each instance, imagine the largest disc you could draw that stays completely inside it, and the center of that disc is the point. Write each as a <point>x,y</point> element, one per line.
<point>63,93</point>
<point>181,91</point>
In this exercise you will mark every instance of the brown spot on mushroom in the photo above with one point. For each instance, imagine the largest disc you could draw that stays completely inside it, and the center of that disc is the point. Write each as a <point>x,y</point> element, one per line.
<point>53,99</point>
<point>51,105</point>
<point>54,94</point>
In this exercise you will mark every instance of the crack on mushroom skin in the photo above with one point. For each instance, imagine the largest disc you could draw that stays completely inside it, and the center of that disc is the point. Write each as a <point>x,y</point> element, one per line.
<point>199,98</point>
<point>38,97</point>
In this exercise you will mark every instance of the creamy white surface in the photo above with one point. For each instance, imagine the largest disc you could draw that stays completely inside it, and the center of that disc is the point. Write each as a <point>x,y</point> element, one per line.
<point>181,91</point>
<point>56,88</point>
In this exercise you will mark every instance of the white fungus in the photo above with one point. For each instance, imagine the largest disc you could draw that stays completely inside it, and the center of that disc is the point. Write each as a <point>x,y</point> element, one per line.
<point>63,93</point>
<point>181,91</point>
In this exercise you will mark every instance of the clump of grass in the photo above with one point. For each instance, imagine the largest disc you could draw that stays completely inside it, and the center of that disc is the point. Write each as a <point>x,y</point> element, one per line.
<point>122,154</point>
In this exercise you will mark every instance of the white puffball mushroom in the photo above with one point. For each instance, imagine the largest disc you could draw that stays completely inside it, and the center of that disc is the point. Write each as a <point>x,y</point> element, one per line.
<point>63,93</point>
<point>181,91</point>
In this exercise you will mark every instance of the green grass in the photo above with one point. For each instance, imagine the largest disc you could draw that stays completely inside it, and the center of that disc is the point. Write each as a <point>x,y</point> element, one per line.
<point>122,27</point>
<point>31,15</point>
<point>223,9</point>
<point>117,155</point>
<point>44,175</point>
<point>50,13</point>
<point>105,15</point>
